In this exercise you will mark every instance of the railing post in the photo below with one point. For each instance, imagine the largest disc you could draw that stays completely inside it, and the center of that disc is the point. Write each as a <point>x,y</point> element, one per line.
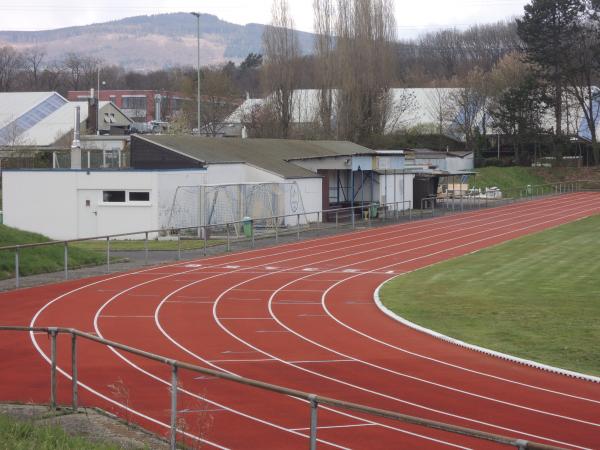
<point>179,246</point>
<point>75,399</point>
<point>318,221</point>
<point>352,212</point>
<point>53,332</point>
<point>228,239</point>
<point>17,269</point>
<point>252,231</point>
<point>336,219</point>
<point>146,249</point>
<point>298,227</point>
<point>313,421</point>
<point>66,260</point>
<point>107,254</point>
<point>174,382</point>
<point>521,444</point>
<point>205,240</point>
<point>276,231</point>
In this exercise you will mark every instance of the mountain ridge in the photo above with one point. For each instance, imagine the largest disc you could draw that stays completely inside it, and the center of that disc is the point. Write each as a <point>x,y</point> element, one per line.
<point>151,42</point>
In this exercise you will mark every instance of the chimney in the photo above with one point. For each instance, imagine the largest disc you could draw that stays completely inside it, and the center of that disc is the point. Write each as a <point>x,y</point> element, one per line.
<point>76,145</point>
<point>157,107</point>
<point>92,120</point>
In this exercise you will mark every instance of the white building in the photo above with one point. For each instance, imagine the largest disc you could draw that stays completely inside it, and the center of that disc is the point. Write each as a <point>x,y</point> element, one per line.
<point>421,109</point>
<point>327,174</point>
<point>45,119</point>
<point>70,204</point>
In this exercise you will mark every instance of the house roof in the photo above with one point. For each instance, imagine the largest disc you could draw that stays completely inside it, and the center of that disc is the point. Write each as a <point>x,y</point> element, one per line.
<point>429,153</point>
<point>61,122</point>
<point>15,104</point>
<point>272,155</point>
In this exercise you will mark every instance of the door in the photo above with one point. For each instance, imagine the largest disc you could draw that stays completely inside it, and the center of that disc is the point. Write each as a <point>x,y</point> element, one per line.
<point>87,210</point>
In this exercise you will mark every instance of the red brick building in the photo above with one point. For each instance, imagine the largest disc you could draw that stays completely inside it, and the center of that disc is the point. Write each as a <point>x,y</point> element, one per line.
<point>139,105</point>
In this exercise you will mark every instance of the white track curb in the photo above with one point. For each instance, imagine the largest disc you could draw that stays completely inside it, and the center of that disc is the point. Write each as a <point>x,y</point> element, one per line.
<point>476,348</point>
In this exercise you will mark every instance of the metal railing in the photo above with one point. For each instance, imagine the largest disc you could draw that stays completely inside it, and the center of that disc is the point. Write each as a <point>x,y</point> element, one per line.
<point>314,221</point>
<point>314,400</point>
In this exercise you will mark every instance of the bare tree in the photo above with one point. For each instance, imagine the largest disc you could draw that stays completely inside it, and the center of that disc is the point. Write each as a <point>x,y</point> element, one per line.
<point>324,24</point>
<point>468,107</point>
<point>281,52</point>
<point>218,99</point>
<point>365,33</point>
<point>10,64</point>
<point>33,61</point>
<point>439,107</point>
<point>73,64</point>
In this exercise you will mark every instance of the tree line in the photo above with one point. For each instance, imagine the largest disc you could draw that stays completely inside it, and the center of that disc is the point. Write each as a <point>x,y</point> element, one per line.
<point>507,77</point>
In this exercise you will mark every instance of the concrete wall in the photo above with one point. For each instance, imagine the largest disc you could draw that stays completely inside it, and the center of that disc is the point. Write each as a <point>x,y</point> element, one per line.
<point>70,204</point>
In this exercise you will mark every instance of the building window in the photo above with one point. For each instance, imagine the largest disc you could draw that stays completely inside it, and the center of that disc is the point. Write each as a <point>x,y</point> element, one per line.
<point>139,196</point>
<point>113,196</point>
<point>136,103</point>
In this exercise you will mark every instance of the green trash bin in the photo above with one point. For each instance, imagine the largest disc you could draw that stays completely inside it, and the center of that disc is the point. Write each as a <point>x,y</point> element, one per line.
<point>247,225</point>
<point>373,211</point>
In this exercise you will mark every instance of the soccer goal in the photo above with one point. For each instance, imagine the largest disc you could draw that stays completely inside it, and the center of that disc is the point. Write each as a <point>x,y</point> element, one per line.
<point>221,204</point>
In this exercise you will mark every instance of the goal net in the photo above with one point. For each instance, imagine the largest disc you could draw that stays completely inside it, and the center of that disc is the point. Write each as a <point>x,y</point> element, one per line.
<point>195,206</point>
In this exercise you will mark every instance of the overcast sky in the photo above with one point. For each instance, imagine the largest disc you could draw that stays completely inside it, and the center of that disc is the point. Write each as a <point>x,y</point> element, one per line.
<point>413,17</point>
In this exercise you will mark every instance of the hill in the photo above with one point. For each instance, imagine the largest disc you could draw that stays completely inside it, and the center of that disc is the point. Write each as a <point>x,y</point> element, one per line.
<point>151,42</point>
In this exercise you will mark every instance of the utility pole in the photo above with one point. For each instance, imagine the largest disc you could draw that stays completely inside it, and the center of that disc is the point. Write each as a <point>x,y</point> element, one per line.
<point>197,15</point>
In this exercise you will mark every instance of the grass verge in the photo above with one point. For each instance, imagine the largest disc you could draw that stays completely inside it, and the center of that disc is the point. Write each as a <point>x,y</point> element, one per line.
<point>153,245</point>
<point>536,297</point>
<point>40,260</point>
<point>26,435</point>
<point>507,178</point>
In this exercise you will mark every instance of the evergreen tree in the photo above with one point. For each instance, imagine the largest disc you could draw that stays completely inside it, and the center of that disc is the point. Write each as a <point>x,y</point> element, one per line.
<point>547,29</point>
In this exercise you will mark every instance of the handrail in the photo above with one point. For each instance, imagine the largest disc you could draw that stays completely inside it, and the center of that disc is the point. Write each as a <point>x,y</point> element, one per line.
<point>233,222</point>
<point>313,399</point>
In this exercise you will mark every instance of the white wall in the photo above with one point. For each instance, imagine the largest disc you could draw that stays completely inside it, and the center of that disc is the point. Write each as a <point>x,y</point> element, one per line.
<point>240,173</point>
<point>311,193</point>
<point>399,188</point>
<point>69,204</point>
<point>456,164</point>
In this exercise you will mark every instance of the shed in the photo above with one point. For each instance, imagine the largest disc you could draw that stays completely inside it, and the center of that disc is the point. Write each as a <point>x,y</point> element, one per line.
<point>71,204</point>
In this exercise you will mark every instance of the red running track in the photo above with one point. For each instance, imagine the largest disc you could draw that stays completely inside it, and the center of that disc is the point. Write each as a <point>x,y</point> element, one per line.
<point>301,315</point>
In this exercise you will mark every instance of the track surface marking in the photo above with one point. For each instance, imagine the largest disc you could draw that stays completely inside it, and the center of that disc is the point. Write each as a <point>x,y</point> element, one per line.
<point>301,315</point>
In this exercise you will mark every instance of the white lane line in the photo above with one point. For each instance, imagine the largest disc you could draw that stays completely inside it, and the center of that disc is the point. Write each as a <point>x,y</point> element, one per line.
<point>377,393</point>
<point>144,295</point>
<point>427,381</point>
<point>290,249</point>
<point>403,401</point>
<point>330,427</point>
<point>246,318</point>
<point>240,360</point>
<point>322,361</point>
<point>200,358</point>
<point>124,317</point>
<point>191,302</point>
<point>168,382</point>
<point>148,374</point>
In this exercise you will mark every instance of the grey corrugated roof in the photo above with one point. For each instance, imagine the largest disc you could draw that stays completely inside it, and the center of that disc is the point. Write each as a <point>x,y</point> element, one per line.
<point>273,155</point>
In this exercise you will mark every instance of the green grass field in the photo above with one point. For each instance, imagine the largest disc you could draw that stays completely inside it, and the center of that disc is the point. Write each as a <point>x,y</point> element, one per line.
<point>40,260</point>
<point>26,435</point>
<point>537,297</point>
